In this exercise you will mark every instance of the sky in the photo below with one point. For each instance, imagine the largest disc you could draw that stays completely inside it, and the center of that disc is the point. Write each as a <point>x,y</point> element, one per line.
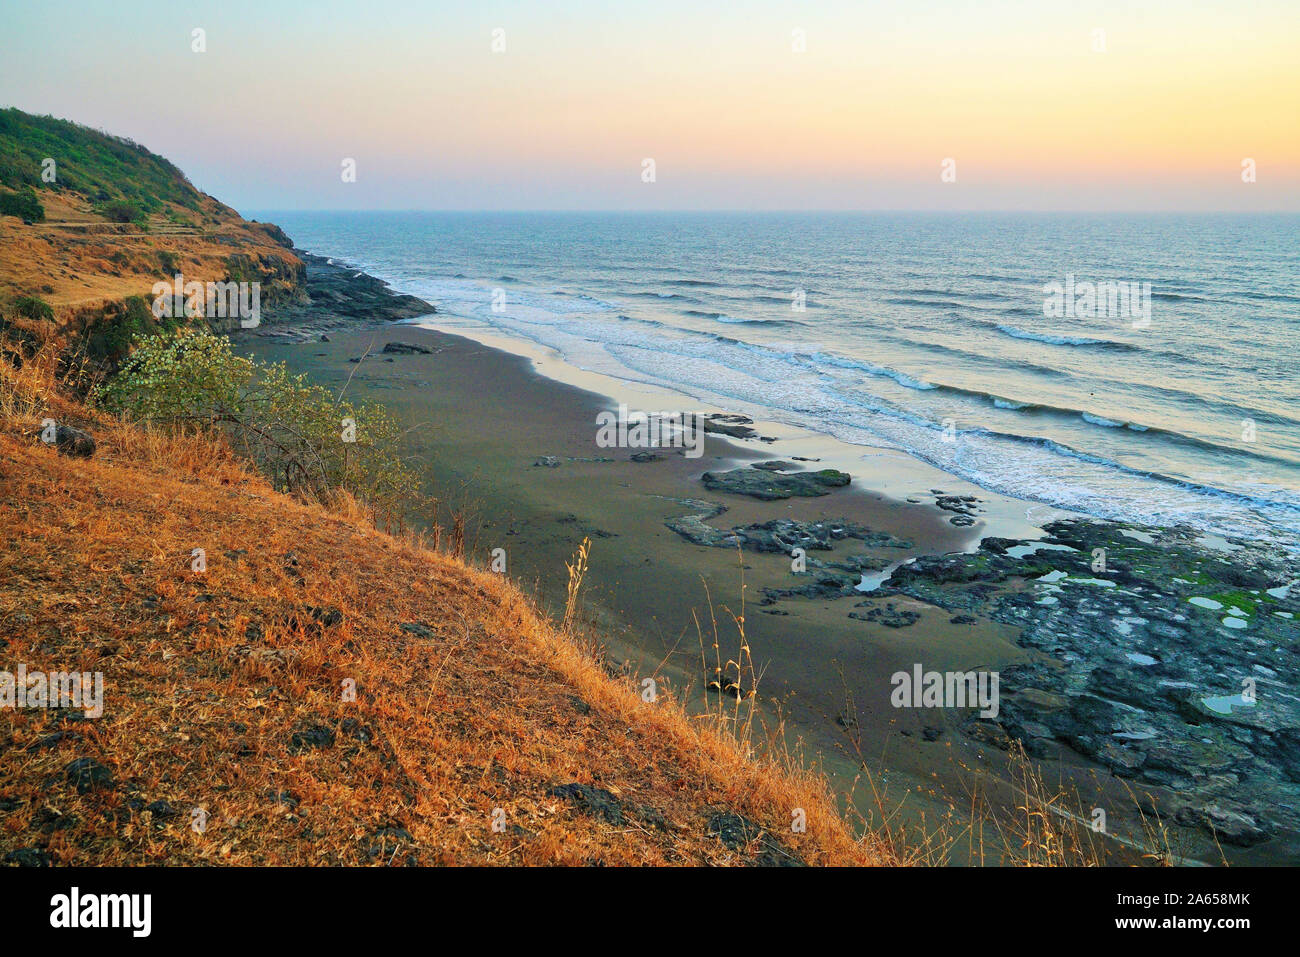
<point>740,105</point>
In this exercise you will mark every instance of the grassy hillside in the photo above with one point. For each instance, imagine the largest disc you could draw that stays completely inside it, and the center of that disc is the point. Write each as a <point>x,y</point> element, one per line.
<point>223,690</point>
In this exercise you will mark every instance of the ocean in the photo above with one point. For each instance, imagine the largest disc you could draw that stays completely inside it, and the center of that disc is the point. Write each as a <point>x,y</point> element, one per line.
<point>1130,366</point>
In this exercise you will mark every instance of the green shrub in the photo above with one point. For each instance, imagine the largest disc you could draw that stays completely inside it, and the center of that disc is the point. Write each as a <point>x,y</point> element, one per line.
<point>97,164</point>
<point>294,431</point>
<point>110,338</point>
<point>30,307</point>
<point>121,211</point>
<point>23,204</point>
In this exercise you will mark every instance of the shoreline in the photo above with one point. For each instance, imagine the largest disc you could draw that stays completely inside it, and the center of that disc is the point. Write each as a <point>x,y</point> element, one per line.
<point>492,414</point>
<point>1170,495</point>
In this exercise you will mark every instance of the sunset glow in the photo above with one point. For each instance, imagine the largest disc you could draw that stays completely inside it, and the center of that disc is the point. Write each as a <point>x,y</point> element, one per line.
<point>1037,109</point>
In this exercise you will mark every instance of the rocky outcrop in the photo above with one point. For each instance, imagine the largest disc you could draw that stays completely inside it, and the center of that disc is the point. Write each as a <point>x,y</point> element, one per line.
<point>770,486</point>
<point>1170,663</point>
<point>336,296</point>
<point>779,535</point>
<point>406,349</point>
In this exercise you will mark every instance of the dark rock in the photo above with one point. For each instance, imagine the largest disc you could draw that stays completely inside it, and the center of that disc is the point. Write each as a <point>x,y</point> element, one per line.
<point>28,857</point>
<point>317,617</point>
<point>328,616</point>
<point>355,729</point>
<point>738,832</point>
<point>383,844</point>
<point>734,426</point>
<point>962,504</point>
<point>771,486</point>
<point>338,295</point>
<point>889,616</point>
<point>596,802</point>
<point>51,740</point>
<point>733,830</point>
<point>88,775</point>
<point>781,535</point>
<point>694,527</point>
<point>405,349</point>
<point>1143,681</point>
<point>824,585</point>
<point>316,736</point>
<point>773,854</point>
<point>1232,826</point>
<point>730,688</point>
<point>74,442</point>
<point>997,546</point>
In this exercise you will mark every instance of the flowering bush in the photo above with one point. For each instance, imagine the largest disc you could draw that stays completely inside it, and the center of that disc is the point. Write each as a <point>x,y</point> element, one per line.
<point>193,377</point>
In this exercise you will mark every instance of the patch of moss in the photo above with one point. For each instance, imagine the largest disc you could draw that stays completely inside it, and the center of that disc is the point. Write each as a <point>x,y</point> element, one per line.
<point>1244,600</point>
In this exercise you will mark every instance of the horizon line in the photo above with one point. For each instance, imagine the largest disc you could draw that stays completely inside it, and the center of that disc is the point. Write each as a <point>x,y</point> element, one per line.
<point>817,211</point>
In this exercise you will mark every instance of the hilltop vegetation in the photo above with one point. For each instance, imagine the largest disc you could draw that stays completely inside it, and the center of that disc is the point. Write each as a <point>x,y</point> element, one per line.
<point>120,178</point>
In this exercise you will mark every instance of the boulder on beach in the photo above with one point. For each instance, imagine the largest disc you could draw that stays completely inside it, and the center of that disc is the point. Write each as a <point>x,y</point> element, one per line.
<point>770,486</point>
<point>406,349</point>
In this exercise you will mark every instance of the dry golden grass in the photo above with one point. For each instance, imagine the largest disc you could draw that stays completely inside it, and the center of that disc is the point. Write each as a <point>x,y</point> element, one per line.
<point>78,260</point>
<point>208,676</point>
